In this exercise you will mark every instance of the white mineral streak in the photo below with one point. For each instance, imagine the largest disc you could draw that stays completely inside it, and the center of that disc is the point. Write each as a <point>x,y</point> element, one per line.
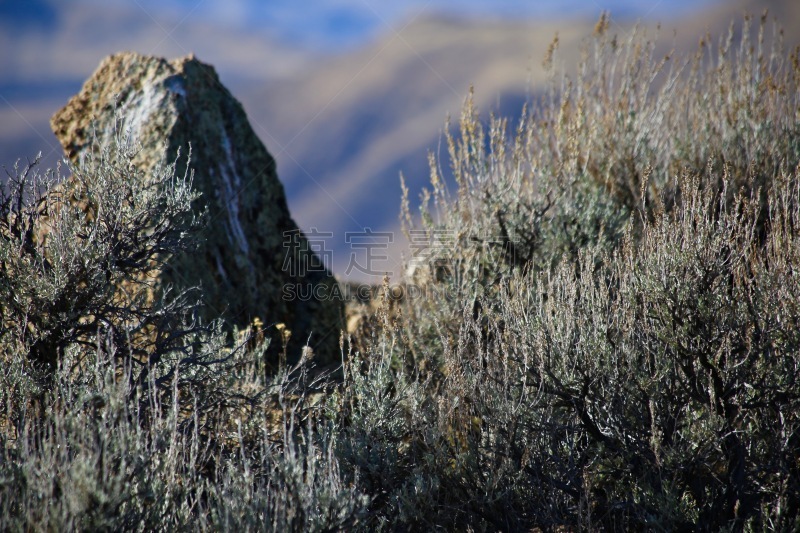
<point>137,112</point>
<point>221,195</point>
<point>231,183</point>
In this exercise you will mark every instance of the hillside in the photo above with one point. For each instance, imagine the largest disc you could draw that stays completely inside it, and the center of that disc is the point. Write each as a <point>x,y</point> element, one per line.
<point>342,126</point>
<point>343,129</point>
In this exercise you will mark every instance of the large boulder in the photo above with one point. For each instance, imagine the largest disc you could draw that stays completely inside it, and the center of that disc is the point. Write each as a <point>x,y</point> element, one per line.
<point>252,262</point>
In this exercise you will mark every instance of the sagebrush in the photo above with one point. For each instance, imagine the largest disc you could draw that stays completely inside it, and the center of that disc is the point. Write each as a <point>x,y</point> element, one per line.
<point>604,335</point>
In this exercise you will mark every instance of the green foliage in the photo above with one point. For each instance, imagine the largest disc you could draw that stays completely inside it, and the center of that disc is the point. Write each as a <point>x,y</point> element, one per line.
<point>118,409</point>
<point>673,367</point>
<point>97,460</point>
<point>84,254</point>
<point>614,321</point>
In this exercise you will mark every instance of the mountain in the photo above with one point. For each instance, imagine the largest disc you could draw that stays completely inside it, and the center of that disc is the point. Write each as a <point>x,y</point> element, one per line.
<point>341,122</point>
<point>337,25</point>
<point>344,129</point>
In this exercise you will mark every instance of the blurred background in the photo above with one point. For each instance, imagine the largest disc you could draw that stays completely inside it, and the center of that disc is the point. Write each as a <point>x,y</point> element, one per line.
<point>345,94</point>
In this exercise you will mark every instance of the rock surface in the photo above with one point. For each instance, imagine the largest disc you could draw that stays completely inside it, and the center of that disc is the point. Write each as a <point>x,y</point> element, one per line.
<point>251,249</point>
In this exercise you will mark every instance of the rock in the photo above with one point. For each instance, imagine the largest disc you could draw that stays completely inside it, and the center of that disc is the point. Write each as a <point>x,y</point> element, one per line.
<point>251,249</point>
